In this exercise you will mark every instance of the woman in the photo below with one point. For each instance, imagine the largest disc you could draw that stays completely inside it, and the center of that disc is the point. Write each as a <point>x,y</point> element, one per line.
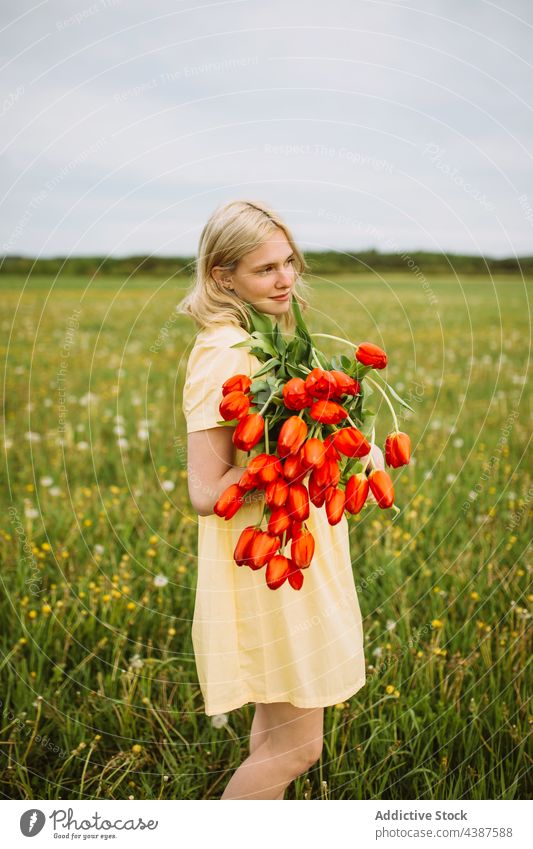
<point>291,653</point>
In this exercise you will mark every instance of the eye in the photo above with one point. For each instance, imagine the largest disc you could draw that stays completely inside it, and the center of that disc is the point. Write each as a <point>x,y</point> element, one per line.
<point>267,269</point>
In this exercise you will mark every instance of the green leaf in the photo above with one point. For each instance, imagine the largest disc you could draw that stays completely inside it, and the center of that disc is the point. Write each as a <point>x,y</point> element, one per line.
<point>259,320</point>
<point>258,386</point>
<point>270,364</point>
<point>395,395</point>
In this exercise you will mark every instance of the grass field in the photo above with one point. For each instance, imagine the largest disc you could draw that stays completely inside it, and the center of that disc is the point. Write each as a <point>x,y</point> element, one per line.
<point>98,680</point>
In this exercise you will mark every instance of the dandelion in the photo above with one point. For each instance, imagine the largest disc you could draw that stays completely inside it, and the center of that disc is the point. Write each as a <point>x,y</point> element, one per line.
<point>160,580</point>
<point>168,486</point>
<point>32,614</point>
<point>219,720</point>
<point>32,436</point>
<point>87,399</point>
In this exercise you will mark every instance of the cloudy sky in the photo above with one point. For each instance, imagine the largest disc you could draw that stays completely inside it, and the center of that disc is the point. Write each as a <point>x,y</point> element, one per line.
<point>365,123</point>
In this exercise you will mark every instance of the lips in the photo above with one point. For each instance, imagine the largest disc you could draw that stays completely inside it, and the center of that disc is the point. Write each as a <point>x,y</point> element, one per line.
<point>281,297</point>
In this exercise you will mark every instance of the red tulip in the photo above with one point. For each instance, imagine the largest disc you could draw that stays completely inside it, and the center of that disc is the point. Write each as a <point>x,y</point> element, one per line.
<point>371,355</point>
<point>296,577</point>
<point>317,491</point>
<point>265,467</point>
<point>397,449</point>
<point>356,493</point>
<point>295,394</point>
<point>312,453</point>
<point>346,385</point>
<point>321,384</point>
<point>229,502</point>
<point>298,502</point>
<point>291,436</point>
<point>293,470</point>
<point>351,442</point>
<point>234,405</point>
<point>303,548</point>
<point>381,487</point>
<point>335,506</point>
<point>248,481</point>
<point>327,412</point>
<point>249,431</point>
<point>243,544</point>
<point>240,382</point>
<point>331,451</point>
<point>262,548</point>
<point>276,493</point>
<point>279,521</point>
<point>294,531</point>
<point>277,571</point>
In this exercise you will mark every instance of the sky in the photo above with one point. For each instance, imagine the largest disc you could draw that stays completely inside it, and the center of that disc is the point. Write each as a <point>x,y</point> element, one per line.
<point>398,126</point>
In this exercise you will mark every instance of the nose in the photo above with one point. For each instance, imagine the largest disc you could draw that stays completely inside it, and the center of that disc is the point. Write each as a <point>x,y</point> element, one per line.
<point>284,280</point>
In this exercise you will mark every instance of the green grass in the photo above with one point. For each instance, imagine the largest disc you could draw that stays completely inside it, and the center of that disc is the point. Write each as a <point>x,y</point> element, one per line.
<point>444,588</point>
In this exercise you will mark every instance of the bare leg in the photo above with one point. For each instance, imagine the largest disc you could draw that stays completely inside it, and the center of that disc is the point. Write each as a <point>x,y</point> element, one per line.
<point>292,744</point>
<point>259,732</point>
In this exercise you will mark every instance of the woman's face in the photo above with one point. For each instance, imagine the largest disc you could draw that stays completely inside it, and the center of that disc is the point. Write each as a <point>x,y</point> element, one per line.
<point>264,277</point>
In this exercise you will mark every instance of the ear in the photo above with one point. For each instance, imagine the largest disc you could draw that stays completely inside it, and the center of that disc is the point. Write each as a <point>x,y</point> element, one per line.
<point>220,275</point>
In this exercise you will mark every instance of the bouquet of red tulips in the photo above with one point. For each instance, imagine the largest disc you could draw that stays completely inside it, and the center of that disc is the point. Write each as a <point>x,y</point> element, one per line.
<point>314,411</point>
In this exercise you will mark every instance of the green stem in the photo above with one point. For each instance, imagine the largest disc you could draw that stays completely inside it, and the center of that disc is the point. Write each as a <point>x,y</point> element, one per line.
<point>267,444</point>
<point>337,338</point>
<point>368,458</point>
<point>267,402</point>
<point>314,356</point>
<point>378,387</point>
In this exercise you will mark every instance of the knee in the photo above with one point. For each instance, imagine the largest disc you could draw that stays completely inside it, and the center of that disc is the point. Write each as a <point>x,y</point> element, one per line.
<point>301,755</point>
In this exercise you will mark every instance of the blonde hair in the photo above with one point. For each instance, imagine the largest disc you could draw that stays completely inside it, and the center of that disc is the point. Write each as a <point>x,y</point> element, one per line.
<point>233,230</point>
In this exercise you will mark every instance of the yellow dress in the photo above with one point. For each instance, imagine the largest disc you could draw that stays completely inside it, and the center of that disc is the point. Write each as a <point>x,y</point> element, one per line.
<point>251,643</point>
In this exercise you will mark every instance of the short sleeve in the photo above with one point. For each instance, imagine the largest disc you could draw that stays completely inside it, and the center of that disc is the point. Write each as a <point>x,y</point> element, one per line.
<point>211,362</point>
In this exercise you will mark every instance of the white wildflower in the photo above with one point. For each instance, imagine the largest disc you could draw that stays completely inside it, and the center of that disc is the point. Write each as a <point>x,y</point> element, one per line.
<point>390,624</point>
<point>32,436</point>
<point>219,720</point>
<point>160,580</point>
<point>47,481</point>
<point>168,486</point>
<point>82,446</point>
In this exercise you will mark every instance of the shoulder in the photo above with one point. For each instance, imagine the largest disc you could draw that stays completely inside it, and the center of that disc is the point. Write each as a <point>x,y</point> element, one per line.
<point>219,336</point>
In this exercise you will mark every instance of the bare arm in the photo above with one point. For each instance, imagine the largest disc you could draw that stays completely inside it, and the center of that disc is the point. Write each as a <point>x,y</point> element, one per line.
<point>210,468</point>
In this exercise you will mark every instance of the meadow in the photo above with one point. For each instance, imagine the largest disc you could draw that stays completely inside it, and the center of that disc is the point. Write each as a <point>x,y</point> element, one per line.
<point>99,693</point>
